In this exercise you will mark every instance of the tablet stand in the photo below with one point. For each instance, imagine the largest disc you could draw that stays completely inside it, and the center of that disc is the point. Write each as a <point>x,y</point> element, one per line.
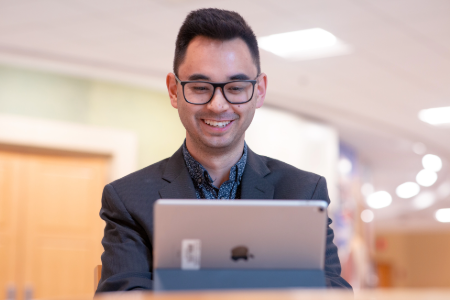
<point>223,279</point>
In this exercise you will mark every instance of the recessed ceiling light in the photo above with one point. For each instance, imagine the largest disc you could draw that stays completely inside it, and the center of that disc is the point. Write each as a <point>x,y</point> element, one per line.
<point>432,162</point>
<point>435,116</point>
<point>426,178</point>
<point>379,199</point>
<point>367,216</point>
<point>407,190</point>
<point>424,200</point>
<point>443,215</point>
<point>345,166</point>
<point>304,44</point>
<point>367,189</point>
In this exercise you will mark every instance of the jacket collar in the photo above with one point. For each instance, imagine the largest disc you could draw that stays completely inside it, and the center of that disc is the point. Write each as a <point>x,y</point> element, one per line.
<point>253,184</point>
<point>176,174</point>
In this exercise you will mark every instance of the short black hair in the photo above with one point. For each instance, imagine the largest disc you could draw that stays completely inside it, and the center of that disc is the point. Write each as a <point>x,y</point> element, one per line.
<point>217,24</point>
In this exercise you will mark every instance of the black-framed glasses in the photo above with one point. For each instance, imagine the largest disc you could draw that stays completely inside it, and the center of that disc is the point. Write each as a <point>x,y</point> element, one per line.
<point>202,92</point>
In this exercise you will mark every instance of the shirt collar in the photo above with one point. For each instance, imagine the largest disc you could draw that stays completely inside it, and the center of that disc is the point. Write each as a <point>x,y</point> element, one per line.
<point>201,176</point>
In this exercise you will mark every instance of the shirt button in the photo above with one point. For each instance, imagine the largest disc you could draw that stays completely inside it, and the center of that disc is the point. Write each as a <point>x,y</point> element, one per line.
<point>199,180</point>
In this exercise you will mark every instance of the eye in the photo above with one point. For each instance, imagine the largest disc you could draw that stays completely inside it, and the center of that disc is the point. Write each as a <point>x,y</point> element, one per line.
<point>200,88</point>
<point>235,88</point>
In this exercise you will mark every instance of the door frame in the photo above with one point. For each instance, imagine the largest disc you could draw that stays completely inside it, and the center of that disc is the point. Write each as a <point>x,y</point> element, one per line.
<point>120,145</point>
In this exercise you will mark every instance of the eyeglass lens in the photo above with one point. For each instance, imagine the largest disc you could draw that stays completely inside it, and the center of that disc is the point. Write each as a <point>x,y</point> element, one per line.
<point>201,92</point>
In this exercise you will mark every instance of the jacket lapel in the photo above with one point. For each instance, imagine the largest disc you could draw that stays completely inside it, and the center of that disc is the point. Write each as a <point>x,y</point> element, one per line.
<point>180,184</point>
<point>254,185</point>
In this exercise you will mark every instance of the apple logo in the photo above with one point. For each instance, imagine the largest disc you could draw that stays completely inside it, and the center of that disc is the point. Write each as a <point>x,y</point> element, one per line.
<point>240,252</point>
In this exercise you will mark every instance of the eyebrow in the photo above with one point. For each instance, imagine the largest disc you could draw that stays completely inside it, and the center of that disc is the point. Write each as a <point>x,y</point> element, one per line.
<point>240,76</point>
<point>198,77</point>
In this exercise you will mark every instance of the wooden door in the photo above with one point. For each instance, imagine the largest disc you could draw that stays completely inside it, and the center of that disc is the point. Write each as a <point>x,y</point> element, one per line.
<point>9,208</point>
<point>384,272</point>
<point>53,227</point>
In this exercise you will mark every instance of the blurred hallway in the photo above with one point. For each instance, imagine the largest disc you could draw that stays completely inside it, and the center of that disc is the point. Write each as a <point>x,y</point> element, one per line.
<point>79,70</point>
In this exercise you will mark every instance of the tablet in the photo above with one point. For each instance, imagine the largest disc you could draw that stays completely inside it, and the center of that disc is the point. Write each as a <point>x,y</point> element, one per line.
<point>239,234</point>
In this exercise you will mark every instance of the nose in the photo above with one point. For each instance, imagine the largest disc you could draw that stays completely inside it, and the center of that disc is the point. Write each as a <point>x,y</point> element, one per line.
<point>218,103</point>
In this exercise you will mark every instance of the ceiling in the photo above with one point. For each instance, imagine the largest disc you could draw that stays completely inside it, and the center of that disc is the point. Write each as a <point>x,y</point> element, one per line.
<point>400,65</point>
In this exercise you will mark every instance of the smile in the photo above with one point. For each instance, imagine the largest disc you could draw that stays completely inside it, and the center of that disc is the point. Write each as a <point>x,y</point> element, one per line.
<point>217,124</point>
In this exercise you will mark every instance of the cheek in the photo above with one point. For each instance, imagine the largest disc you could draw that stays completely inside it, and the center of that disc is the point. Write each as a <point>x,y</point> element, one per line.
<point>188,112</point>
<point>246,113</point>
<point>184,113</point>
<point>248,120</point>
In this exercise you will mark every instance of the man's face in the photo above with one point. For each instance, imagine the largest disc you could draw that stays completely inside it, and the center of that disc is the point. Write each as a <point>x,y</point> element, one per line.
<point>216,61</point>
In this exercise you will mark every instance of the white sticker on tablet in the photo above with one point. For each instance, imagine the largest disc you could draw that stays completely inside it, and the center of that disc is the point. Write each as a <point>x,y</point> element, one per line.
<point>190,254</point>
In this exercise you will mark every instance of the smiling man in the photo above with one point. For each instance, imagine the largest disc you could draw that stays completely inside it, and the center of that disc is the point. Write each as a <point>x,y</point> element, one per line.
<point>216,87</point>
<point>216,115</point>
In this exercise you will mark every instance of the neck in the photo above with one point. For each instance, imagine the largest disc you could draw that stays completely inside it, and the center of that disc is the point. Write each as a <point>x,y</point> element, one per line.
<point>217,161</point>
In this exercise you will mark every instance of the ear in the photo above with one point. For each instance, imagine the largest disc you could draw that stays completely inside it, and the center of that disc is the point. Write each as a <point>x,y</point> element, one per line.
<point>261,87</point>
<point>172,88</point>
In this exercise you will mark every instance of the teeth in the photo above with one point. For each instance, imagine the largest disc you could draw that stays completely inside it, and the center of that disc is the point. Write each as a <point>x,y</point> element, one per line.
<point>217,124</point>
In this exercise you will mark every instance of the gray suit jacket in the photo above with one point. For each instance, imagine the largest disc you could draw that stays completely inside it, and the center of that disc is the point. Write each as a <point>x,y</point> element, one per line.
<point>127,208</point>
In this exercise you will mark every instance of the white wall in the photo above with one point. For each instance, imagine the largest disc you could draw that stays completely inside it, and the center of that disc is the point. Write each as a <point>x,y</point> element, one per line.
<point>305,144</point>
<point>121,145</point>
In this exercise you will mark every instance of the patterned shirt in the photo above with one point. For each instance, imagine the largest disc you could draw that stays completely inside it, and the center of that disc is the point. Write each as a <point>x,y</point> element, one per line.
<point>203,183</point>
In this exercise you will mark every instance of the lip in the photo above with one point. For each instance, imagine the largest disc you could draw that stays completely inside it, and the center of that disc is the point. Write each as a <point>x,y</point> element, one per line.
<point>217,129</point>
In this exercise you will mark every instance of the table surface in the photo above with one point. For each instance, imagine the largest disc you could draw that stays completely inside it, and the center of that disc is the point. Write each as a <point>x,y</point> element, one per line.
<point>376,294</point>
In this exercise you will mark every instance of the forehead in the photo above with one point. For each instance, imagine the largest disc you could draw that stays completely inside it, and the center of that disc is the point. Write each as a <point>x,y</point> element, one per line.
<point>217,59</point>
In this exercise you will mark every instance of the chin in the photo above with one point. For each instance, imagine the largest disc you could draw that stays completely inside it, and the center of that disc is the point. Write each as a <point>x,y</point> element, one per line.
<point>216,143</point>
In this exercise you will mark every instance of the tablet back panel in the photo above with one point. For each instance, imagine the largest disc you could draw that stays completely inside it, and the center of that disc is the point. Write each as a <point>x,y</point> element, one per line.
<point>240,234</point>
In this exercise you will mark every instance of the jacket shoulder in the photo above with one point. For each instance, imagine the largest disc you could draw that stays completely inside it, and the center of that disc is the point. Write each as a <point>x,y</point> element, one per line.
<point>142,183</point>
<point>293,183</point>
<point>282,169</point>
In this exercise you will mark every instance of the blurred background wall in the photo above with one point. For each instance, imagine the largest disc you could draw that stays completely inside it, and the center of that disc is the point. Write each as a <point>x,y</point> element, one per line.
<point>73,99</point>
<point>414,259</point>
